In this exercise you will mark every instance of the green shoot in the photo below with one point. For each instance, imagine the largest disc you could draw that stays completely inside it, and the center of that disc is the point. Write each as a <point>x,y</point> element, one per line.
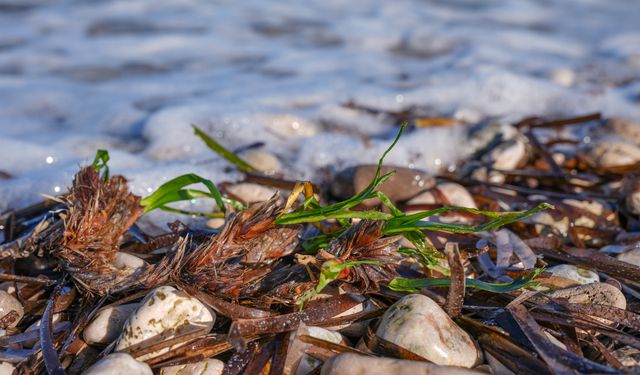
<point>414,285</point>
<point>222,151</point>
<point>329,272</point>
<point>174,191</point>
<point>100,162</point>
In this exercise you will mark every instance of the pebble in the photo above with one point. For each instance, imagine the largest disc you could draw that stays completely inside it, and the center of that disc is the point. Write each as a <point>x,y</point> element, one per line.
<point>455,194</point>
<point>209,367</point>
<point>6,368</point>
<point>349,364</point>
<point>9,303</point>
<point>596,293</point>
<point>625,128</point>
<point>107,324</point>
<point>164,313</point>
<point>119,363</point>
<point>579,275</point>
<point>251,193</point>
<point>632,256</point>
<point>403,185</point>
<point>418,324</point>
<point>126,261</point>
<point>262,160</point>
<point>613,153</point>
<point>288,126</point>
<point>297,362</point>
<point>628,356</point>
<point>508,155</point>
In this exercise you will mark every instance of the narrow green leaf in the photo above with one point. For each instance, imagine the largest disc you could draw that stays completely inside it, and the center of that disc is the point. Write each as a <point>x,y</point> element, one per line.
<point>414,285</point>
<point>222,151</point>
<point>172,191</point>
<point>100,162</point>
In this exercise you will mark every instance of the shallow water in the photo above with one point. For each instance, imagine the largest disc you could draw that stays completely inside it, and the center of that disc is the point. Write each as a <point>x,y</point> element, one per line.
<point>132,76</point>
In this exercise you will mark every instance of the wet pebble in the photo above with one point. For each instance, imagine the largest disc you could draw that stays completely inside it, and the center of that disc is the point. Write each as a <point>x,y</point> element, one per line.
<point>579,275</point>
<point>250,192</point>
<point>349,363</point>
<point>107,324</point>
<point>119,363</point>
<point>297,362</point>
<point>209,367</point>
<point>418,324</point>
<point>9,303</point>
<point>164,313</point>
<point>263,161</point>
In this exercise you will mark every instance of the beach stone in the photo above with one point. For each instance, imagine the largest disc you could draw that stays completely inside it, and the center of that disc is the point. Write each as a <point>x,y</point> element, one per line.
<point>508,155</point>
<point>6,368</point>
<point>579,275</point>
<point>357,364</point>
<point>107,324</point>
<point>251,193</point>
<point>628,129</point>
<point>117,364</point>
<point>299,363</point>
<point>288,126</point>
<point>262,160</point>
<point>10,303</point>
<point>129,262</point>
<point>628,356</point>
<point>632,256</point>
<point>403,185</point>
<point>209,367</point>
<point>597,293</point>
<point>613,153</point>
<point>456,195</point>
<point>418,324</point>
<point>164,313</point>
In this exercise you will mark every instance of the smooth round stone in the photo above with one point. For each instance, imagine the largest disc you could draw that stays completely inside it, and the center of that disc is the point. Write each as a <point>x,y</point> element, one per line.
<point>597,293</point>
<point>216,222</point>
<point>299,363</point>
<point>251,193</point>
<point>6,368</point>
<point>263,161</point>
<point>608,154</point>
<point>579,275</point>
<point>126,261</point>
<point>508,155</point>
<point>10,303</point>
<point>418,324</point>
<point>117,364</point>
<point>456,194</point>
<point>107,324</point>
<point>163,314</point>
<point>209,367</point>
<point>632,256</point>
<point>288,126</point>
<point>350,364</point>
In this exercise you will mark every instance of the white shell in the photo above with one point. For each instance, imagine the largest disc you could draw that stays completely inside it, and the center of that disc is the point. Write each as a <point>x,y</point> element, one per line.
<point>251,193</point>
<point>349,364</point>
<point>418,324</point>
<point>164,313</point>
<point>9,303</point>
<point>119,363</point>
<point>107,324</point>
<point>579,275</point>
<point>209,367</point>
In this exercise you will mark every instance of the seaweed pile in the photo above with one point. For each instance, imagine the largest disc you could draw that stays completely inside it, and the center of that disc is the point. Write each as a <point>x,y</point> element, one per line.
<point>523,259</point>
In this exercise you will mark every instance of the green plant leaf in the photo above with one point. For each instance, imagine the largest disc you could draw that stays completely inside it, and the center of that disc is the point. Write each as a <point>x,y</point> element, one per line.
<point>100,163</point>
<point>414,285</point>
<point>173,191</point>
<point>222,151</point>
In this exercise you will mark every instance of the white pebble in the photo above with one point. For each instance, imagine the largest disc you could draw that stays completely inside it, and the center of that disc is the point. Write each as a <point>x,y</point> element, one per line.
<point>9,303</point>
<point>251,193</point>
<point>577,274</point>
<point>117,364</point>
<point>107,324</point>
<point>263,161</point>
<point>209,367</point>
<point>349,364</point>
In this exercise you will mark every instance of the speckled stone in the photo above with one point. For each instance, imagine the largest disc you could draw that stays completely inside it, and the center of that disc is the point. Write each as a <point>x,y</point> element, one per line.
<point>164,313</point>
<point>117,364</point>
<point>418,324</point>
<point>9,303</point>
<point>356,364</point>
<point>209,367</point>
<point>577,274</point>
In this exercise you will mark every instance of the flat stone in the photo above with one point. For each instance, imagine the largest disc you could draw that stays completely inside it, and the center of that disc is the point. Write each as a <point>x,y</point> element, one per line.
<point>579,275</point>
<point>250,192</point>
<point>107,324</point>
